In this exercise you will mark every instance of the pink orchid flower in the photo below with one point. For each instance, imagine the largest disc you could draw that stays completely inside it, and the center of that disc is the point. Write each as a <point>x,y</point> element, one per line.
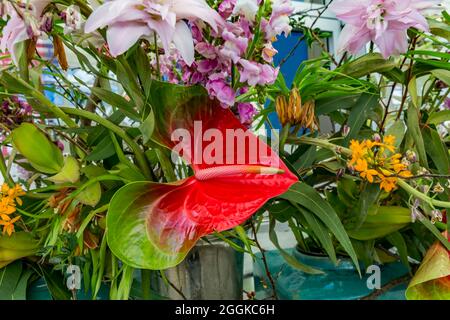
<point>22,27</point>
<point>130,20</point>
<point>385,22</point>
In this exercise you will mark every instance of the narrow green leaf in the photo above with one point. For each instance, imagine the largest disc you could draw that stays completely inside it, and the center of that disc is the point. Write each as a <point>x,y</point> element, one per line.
<point>359,115</point>
<point>307,197</point>
<point>321,232</point>
<point>439,117</point>
<point>286,256</point>
<point>436,149</point>
<point>116,101</point>
<point>398,130</point>
<point>416,135</point>
<point>431,227</point>
<point>443,75</point>
<point>396,239</point>
<point>147,127</point>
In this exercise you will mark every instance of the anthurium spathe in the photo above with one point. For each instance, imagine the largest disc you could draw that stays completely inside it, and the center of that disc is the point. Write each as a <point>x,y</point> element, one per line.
<point>153,225</point>
<point>432,279</point>
<point>130,20</point>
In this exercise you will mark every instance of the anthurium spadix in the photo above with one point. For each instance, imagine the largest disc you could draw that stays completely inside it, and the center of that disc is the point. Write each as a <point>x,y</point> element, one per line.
<point>154,225</point>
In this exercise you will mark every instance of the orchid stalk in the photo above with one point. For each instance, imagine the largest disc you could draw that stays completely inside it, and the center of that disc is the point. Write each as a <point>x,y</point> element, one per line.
<point>348,153</point>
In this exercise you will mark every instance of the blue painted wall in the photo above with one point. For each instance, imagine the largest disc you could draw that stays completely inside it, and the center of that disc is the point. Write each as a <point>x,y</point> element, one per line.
<point>284,46</point>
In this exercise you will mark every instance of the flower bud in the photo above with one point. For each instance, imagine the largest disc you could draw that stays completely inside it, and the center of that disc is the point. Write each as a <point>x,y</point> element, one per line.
<point>406,162</point>
<point>376,137</point>
<point>32,26</point>
<point>411,156</point>
<point>425,188</point>
<point>438,188</point>
<point>416,214</point>
<point>436,215</point>
<point>345,130</point>
<point>47,22</point>
<point>72,18</point>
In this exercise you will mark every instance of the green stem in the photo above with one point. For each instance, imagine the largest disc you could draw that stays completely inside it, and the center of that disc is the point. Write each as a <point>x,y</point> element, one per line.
<point>4,170</point>
<point>145,281</point>
<point>321,143</point>
<point>283,136</point>
<point>58,112</point>
<point>84,8</point>
<point>140,156</point>
<point>416,193</point>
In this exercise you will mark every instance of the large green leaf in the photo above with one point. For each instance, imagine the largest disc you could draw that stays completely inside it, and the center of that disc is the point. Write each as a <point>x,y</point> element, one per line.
<point>359,115</point>
<point>432,279</point>
<point>42,154</point>
<point>380,222</point>
<point>367,64</point>
<point>70,172</point>
<point>307,197</point>
<point>9,278</point>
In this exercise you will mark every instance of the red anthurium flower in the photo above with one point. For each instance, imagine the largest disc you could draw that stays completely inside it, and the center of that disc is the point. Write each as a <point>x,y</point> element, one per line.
<point>153,225</point>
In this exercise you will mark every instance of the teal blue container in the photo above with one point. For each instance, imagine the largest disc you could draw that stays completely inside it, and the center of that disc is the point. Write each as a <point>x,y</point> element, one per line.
<point>340,282</point>
<point>38,291</point>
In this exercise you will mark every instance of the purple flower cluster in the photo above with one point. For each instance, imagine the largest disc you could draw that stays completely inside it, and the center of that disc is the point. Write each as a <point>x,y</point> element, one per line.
<point>238,56</point>
<point>14,111</point>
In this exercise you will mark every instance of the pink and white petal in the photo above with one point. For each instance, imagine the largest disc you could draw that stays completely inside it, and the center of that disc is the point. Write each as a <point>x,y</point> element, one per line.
<point>350,11</point>
<point>184,43</point>
<point>392,42</point>
<point>123,35</point>
<point>197,9</point>
<point>353,39</point>
<point>108,13</point>
<point>165,32</point>
<point>39,6</point>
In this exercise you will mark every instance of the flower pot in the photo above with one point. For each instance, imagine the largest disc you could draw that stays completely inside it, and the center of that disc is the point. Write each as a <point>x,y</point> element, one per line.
<point>212,271</point>
<point>38,290</point>
<point>338,282</point>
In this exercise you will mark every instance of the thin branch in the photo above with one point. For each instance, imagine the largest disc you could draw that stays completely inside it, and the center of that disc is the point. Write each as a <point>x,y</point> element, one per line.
<point>264,260</point>
<point>174,287</point>
<point>442,176</point>
<point>321,11</point>
<point>388,286</point>
<point>408,79</point>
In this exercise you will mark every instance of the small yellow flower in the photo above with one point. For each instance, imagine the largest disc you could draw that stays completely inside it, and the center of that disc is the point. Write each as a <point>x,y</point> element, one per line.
<point>6,207</point>
<point>13,193</point>
<point>388,184</point>
<point>365,172</point>
<point>389,140</point>
<point>8,226</point>
<point>9,197</point>
<point>405,174</point>
<point>372,161</point>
